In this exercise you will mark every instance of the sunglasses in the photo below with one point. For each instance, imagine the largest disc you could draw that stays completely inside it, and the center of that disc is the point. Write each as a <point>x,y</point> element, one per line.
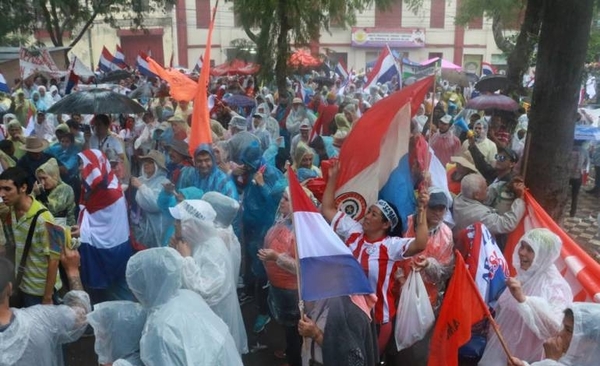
<point>501,158</point>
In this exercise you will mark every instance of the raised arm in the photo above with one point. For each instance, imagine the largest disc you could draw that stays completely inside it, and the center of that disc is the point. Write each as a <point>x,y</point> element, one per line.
<point>328,208</point>
<point>422,232</point>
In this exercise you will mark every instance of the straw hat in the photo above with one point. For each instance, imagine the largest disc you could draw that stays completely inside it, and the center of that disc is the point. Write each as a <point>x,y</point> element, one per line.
<point>157,157</point>
<point>465,160</point>
<point>35,144</point>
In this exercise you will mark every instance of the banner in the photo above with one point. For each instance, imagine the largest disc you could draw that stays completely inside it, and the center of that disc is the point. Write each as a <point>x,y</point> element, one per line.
<point>32,61</point>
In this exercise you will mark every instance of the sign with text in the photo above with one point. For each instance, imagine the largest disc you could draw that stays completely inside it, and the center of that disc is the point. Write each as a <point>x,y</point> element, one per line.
<point>32,61</point>
<point>380,37</point>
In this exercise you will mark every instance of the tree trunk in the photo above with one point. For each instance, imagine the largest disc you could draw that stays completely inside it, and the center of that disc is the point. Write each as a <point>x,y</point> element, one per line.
<point>518,59</point>
<point>282,48</point>
<point>561,55</point>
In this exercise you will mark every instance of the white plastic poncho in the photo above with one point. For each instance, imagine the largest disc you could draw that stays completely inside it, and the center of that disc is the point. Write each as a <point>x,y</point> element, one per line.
<point>118,329</point>
<point>152,224</point>
<point>36,334</point>
<point>208,272</point>
<point>227,209</point>
<point>526,325</point>
<point>181,329</point>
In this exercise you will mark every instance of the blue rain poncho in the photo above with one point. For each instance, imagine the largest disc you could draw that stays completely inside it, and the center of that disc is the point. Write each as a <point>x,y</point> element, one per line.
<point>181,329</point>
<point>209,271</point>
<point>215,181</point>
<point>36,335</point>
<point>166,200</point>
<point>118,329</point>
<point>149,222</point>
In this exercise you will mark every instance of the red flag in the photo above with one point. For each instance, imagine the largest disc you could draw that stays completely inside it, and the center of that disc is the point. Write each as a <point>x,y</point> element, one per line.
<point>182,87</point>
<point>462,307</point>
<point>201,132</point>
<point>579,269</point>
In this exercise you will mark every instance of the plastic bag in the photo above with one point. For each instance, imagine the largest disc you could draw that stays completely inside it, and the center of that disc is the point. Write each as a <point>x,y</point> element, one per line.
<point>415,314</point>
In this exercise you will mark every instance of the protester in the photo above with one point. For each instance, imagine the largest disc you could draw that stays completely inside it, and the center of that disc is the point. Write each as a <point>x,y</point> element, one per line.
<point>577,342</point>
<point>180,329</point>
<point>105,246</point>
<point>487,148</point>
<point>54,194</point>
<point>35,335</point>
<point>118,327</point>
<point>373,242</point>
<point>33,255</point>
<point>148,223</point>
<point>207,267</point>
<point>279,256</point>
<point>530,309</point>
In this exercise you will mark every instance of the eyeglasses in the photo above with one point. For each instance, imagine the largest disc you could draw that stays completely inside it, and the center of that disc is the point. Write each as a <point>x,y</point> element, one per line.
<point>501,158</point>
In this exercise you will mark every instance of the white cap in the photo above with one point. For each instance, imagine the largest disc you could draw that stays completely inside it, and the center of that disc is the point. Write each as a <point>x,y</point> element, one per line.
<point>193,209</point>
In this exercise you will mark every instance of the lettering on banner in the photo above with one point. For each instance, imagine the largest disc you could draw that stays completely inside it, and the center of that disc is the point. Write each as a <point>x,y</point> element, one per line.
<point>451,328</point>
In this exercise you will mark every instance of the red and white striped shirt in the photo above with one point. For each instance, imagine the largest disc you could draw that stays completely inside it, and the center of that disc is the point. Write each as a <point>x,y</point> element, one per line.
<point>379,259</point>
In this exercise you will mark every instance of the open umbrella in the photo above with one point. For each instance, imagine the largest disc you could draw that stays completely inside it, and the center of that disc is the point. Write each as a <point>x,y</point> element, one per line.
<point>492,83</point>
<point>493,101</point>
<point>114,76</point>
<point>240,101</point>
<point>96,101</point>
<point>302,58</point>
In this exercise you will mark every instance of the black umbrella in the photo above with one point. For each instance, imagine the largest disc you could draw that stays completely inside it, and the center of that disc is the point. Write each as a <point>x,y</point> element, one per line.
<point>96,101</point>
<point>115,75</point>
<point>492,83</point>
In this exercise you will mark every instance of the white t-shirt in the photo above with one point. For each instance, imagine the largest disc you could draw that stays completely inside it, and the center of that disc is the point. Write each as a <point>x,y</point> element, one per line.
<point>109,142</point>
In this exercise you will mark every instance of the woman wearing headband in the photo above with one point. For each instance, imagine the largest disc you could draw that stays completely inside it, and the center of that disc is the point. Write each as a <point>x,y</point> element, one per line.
<point>376,248</point>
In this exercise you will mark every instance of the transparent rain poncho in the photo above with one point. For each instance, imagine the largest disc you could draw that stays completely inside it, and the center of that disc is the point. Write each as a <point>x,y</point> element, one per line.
<point>118,329</point>
<point>227,208</point>
<point>181,329</point>
<point>526,325</point>
<point>36,335</point>
<point>209,271</point>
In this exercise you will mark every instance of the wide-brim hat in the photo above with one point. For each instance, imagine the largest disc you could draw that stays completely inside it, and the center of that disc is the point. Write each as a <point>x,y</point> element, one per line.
<point>180,147</point>
<point>466,161</point>
<point>157,157</point>
<point>35,144</point>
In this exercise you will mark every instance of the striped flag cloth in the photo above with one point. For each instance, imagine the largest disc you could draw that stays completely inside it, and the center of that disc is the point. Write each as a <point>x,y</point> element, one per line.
<point>3,85</point>
<point>119,58</point>
<point>385,69</point>
<point>327,266</point>
<point>580,270</point>
<point>143,66</point>
<point>107,61</point>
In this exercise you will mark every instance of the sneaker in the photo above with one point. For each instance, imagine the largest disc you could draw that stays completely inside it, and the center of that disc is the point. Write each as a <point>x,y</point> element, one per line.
<point>244,298</point>
<point>260,323</point>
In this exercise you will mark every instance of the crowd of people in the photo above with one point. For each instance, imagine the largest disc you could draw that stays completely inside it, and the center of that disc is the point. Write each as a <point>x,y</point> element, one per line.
<point>164,245</point>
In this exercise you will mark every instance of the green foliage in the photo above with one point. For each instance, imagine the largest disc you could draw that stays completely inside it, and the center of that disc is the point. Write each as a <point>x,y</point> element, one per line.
<point>274,25</point>
<point>61,17</point>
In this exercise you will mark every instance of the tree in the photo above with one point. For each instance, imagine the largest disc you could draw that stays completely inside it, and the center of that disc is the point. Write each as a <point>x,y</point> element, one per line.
<point>274,25</point>
<point>563,41</point>
<point>66,21</point>
<point>17,18</point>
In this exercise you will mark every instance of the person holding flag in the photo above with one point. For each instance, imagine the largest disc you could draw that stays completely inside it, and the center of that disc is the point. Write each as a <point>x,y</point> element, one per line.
<point>377,247</point>
<point>532,308</point>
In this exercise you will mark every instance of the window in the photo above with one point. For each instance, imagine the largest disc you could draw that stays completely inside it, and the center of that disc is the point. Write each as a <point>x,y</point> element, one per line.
<point>391,17</point>
<point>202,13</point>
<point>437,14</point>
<point>476,23</point>
<point>435,54</point>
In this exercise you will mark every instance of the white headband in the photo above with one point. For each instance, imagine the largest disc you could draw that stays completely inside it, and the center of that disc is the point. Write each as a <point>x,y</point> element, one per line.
<point>388,212</point>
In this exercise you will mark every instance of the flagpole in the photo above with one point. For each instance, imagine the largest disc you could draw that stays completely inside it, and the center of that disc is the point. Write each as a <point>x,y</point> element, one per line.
<point>489,316</point>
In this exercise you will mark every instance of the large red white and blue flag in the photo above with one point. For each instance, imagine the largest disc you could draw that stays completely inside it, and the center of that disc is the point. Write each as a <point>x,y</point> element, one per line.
<point>327,266</point>
<point>487,69</point>
<point>107,61</point>
<point>385,69</point>
<point>366,163</point>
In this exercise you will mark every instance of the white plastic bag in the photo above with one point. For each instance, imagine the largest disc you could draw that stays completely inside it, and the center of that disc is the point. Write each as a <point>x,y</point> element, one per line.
<point>415,314</point>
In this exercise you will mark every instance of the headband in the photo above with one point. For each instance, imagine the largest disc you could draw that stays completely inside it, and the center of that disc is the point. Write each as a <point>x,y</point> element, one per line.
<point>388,212</point>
